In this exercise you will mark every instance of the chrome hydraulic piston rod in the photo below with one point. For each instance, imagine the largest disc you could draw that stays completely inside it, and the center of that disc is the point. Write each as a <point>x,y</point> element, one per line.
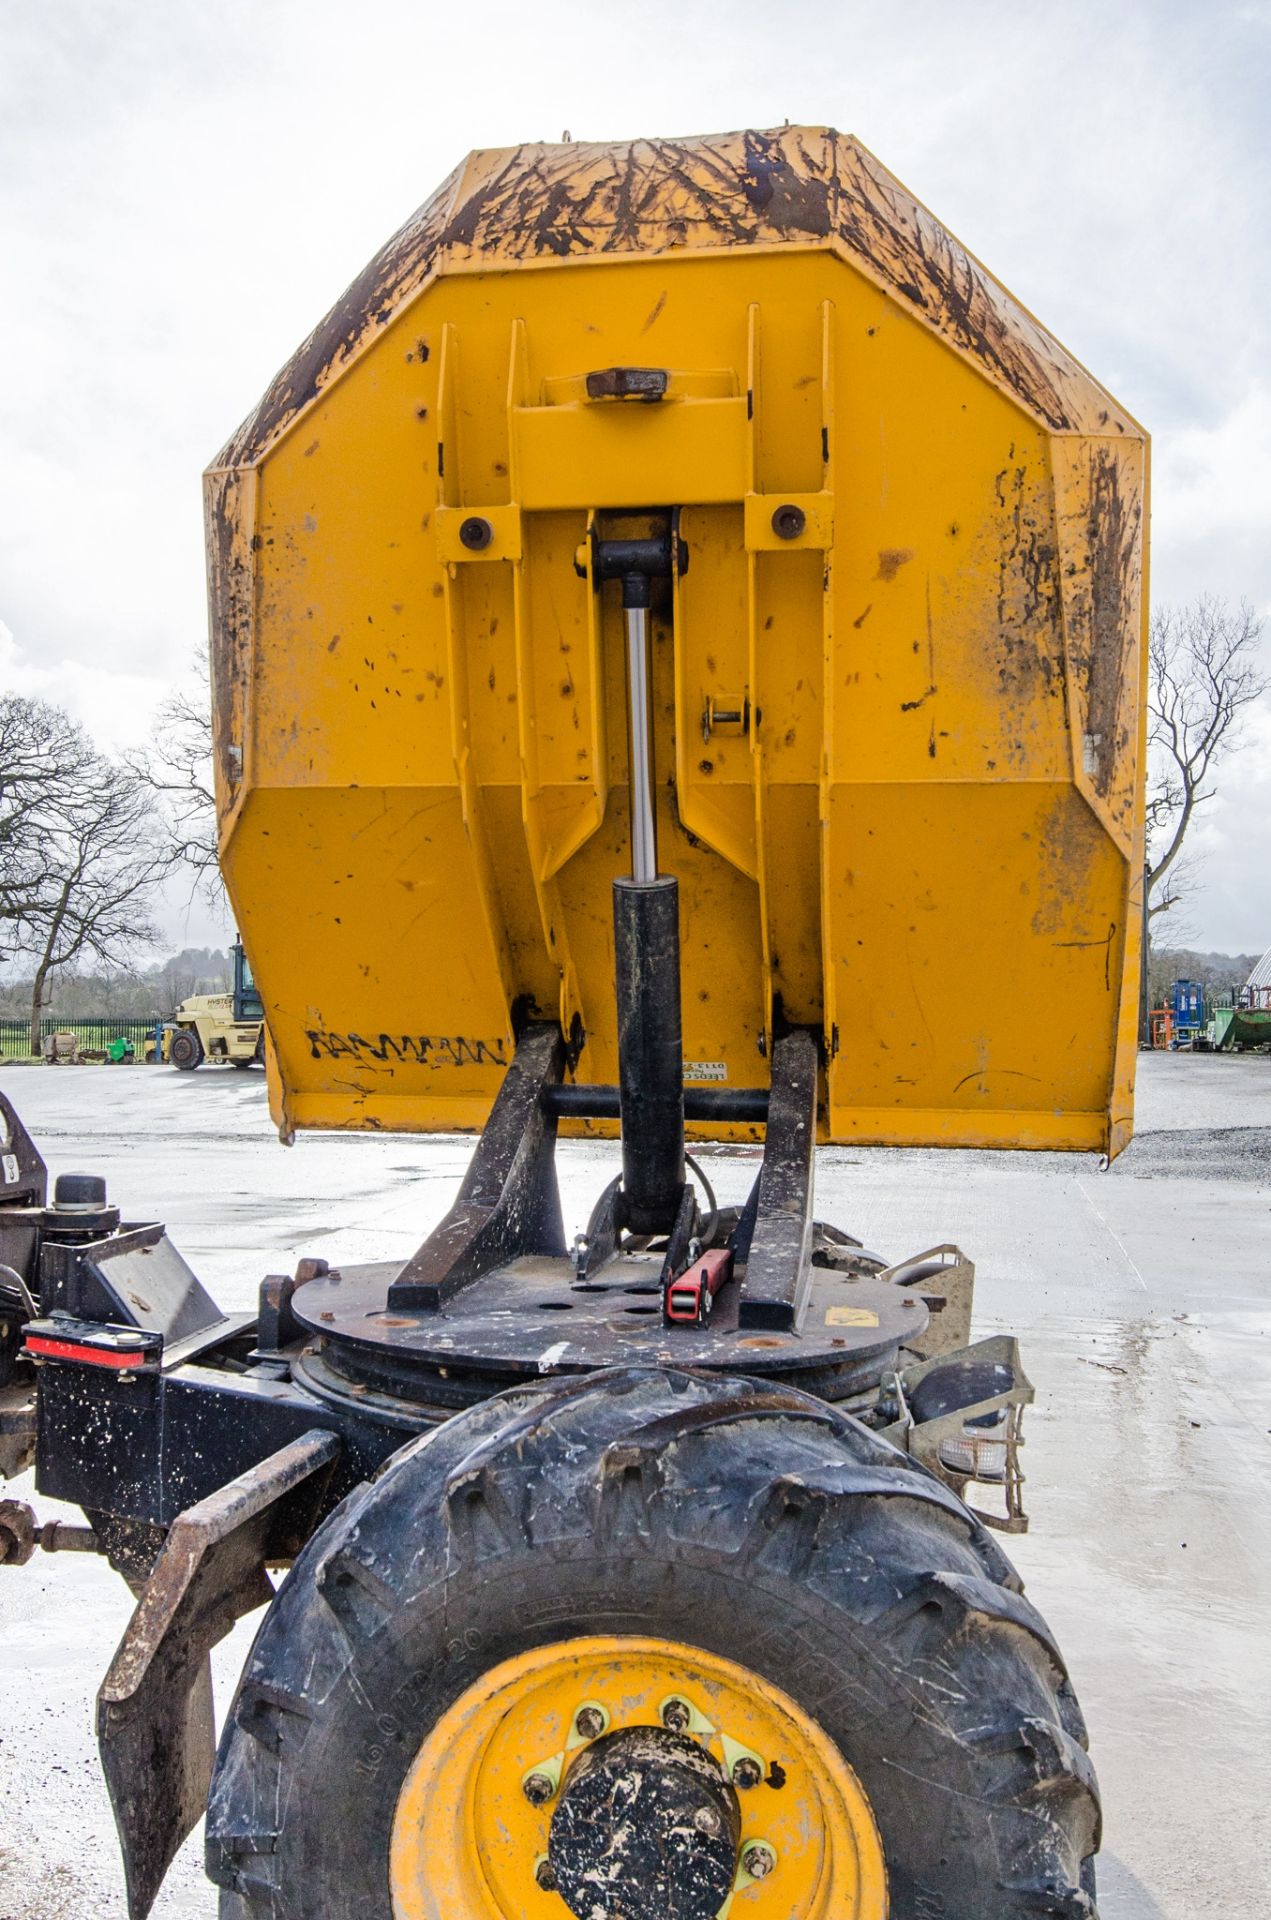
<point>644,836</point>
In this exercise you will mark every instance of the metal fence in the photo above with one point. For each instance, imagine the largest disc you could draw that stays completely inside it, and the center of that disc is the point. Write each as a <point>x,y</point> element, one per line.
<point>94,1036</point>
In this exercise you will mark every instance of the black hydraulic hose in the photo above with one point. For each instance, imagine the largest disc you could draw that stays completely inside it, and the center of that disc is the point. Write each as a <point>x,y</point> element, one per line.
<point>707,1234</point>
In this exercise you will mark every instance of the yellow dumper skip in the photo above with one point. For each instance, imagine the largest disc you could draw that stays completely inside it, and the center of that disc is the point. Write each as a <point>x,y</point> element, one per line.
<point>897,725</point>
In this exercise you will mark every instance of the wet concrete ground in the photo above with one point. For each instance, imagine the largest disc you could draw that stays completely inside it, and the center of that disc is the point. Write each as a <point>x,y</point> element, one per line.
<point>1142,1294</point>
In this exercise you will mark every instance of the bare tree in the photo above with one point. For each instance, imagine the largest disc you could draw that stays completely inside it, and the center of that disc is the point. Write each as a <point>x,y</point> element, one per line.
<point>103,859</point>
<point>44,757</point>
<point>177,769</point>
<point>1204,670</point>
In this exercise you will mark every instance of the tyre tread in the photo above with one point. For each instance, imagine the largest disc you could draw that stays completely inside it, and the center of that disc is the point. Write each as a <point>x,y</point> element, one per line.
<point>759,1486</point>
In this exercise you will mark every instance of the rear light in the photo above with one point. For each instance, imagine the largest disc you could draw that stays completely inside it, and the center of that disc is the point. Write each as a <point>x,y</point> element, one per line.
<point>88,1344</point>
<point>977,1458</point>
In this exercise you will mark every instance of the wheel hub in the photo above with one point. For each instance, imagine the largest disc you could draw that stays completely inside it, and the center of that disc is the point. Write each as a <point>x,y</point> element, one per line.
<point>629,1777</point>
<point>646,1828</point>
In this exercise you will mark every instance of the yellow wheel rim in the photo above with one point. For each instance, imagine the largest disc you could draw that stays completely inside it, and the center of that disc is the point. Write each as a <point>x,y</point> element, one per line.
<point>468,1843</point>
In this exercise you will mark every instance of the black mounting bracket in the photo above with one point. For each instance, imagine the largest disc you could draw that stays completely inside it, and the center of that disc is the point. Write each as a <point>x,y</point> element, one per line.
<point>639,562</point>
<point>778,1268</point>
<point>509,1203</point>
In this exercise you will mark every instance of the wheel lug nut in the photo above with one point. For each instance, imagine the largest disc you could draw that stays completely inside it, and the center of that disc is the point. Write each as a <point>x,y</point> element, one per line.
<point>538,1789</point>
<point>747,1772</point>
<point>676,1715</point>
<point>706,1820</point>
<point>759,1861</point>
<point>545,1874</point>
<point>590,1723</point>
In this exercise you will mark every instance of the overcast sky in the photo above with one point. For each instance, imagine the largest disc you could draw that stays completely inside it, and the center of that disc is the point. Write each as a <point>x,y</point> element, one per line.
<point>185,187</point>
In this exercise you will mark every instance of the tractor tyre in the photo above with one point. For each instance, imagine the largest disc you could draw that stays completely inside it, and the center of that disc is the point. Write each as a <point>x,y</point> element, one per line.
<point>185,1049</point>
<point>629,1644</point>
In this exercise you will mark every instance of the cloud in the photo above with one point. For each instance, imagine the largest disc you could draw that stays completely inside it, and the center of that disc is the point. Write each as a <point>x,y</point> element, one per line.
<point>1211,511</point>
<point>115,707</point>
<point>184,189</point>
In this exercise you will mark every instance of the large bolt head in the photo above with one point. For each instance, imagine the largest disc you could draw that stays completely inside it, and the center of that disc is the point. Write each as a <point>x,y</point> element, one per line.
<point>747,1772</point>
<point>590,1723</point>
<point>545,1874</point>
<point>676,1715</point>
<point>475,533</point>
<point>538,1788</point>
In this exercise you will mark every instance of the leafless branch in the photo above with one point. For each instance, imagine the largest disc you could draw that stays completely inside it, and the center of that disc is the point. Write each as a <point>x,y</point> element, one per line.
<point>80,854</point>
<point>177,770</point>
<point>1204,672</point>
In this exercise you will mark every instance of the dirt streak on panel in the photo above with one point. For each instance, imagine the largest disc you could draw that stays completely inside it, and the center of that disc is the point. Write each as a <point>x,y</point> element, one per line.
<point>649,196</point>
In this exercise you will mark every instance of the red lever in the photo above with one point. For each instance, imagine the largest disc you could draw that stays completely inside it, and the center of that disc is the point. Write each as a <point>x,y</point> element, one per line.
<point>690,1295</point>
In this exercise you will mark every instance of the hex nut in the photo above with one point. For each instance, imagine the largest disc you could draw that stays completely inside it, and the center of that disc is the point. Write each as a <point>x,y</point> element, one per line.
<point>759,1860</point>
<point>589,1722</point>
<point>545,1874</point>
<point>747,1772</point>
<point>676,1715</point>
<point>538,1789</point>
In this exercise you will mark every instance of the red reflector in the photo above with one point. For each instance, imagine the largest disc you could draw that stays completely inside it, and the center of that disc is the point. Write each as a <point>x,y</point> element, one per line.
<point>91,1356</point>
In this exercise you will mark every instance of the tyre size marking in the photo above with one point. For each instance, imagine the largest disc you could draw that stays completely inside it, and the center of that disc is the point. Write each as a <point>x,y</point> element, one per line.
<point>419,1049</point>
<point>409,1697</point>
<point>369,1761</point>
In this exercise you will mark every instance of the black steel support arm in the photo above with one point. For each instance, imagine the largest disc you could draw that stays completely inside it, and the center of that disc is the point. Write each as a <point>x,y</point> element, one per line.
<point>778,1273</point>
<point>509,1203</point>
